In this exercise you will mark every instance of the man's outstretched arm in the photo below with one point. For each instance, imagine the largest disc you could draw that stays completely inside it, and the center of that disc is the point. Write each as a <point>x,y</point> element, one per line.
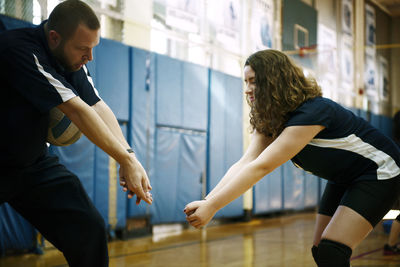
<point>96,130</point>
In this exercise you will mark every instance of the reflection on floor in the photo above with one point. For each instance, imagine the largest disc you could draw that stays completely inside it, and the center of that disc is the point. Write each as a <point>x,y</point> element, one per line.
<point>281,241</point>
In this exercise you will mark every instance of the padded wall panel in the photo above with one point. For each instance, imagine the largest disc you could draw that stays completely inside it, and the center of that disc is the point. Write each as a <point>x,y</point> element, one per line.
<point>387,126</point>
<point>354,110</point>
<point>195,98</point>
<point>322,185</point>
<point>142,123</point>
<point>375,120</point>
<point>224,150</point>
<point>165,177</point>
<point>293,188</point>
<point>179,165</point>
<point>109,198</point>
<point>16,234</point>
<point>233,120</point>
<point>79,158</point>
<point>311,190</point>
<point>267,194</point>
<point>8,23</point>
<point>112,76</point>
<point>169,108</point>
<point>192,170</point>
<point>363,114</point>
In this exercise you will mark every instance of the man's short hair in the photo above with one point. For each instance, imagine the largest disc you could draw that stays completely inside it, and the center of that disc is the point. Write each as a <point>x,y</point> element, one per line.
<point>67,15</point>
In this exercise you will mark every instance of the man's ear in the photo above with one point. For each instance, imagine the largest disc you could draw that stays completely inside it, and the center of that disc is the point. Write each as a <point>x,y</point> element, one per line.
<point>54,39</point>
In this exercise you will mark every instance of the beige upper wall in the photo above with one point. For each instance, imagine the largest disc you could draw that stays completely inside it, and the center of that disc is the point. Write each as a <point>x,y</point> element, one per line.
<point>139,15</point>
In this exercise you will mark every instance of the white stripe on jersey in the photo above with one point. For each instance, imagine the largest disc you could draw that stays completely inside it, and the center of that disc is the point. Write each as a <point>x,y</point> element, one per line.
<point>387,167</point>
<point>91,81</point>
<point>65,93</point>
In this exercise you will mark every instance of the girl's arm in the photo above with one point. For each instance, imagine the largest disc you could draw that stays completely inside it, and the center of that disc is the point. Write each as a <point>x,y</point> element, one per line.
<point>290,142</point>
<point>257,144</point>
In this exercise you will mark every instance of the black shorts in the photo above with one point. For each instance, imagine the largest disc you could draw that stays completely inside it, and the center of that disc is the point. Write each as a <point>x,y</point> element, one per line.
<point>372,199</point>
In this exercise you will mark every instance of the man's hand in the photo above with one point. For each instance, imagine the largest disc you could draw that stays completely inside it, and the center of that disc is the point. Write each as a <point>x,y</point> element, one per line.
<point>134,180</point>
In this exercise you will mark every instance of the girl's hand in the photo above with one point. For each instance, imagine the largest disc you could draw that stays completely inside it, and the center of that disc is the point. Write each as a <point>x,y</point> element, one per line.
<point>199,213</point>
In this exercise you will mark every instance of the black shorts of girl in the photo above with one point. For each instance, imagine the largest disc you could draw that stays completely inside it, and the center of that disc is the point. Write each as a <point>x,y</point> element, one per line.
<point>372,199</point>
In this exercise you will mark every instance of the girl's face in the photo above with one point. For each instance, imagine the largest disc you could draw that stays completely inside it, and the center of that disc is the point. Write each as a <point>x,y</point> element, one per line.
<point>250,81</point>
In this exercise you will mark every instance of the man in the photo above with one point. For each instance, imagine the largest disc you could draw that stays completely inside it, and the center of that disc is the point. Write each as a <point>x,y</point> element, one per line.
<point>42,68</point>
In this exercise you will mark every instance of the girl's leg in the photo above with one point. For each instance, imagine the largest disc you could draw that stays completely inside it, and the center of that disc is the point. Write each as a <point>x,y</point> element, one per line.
<point>347,227</point>
<point>363,205</point>
<point>344,232</point>
<point>394,232</point>
<point>320,225</point>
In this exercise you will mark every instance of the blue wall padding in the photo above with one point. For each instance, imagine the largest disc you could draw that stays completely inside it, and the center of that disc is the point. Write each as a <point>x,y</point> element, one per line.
<point>293,188</point>
<point>387,126</point>
<point>192,169</point>
<point>322,185</point>
<point>11,23</point>
<point>363,114</point>
<point>311,191</point>
<point>233,120</point>
<point>225,138</point>
<point>179,164</point>
<point>375,120</point>
<point>195,96</point>
<point>164,181</point>
<point>102,187</point>
<point>181,89</point>
<point>142,123</point>
<point>16,233</point>
<point>112,76</point>
<point>169,91</point>
<point>79,159</point>
<point>354,110</point>
<point>267,194</point>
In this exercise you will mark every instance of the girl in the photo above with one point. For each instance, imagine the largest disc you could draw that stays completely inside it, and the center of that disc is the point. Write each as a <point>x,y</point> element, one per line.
<point>292,121</point>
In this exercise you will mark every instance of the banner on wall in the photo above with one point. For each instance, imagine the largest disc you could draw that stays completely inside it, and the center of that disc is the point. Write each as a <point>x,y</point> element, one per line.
<point>370,25</point>
<point>262,24</point>
<point>327,61</point>
<point>225,18</point>
<point>347,17</point>
<point>370,73</point>
<point>183,14</point>
<point>347,63</point>
<point>383,79</point>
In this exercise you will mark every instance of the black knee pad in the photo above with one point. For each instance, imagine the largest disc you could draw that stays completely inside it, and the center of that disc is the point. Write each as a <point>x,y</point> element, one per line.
<point>314,251</point>
<point>333,254</point>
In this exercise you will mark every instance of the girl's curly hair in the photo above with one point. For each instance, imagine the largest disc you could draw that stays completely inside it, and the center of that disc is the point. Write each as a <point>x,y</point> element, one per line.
<point>280,88</point>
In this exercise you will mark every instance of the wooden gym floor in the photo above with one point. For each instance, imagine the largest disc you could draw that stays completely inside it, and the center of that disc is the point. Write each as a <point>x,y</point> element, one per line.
<point>281,241</point>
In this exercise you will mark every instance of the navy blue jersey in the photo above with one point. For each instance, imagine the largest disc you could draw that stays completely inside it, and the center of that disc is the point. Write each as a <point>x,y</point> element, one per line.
<point>348,149</point>
<point>32,82</point>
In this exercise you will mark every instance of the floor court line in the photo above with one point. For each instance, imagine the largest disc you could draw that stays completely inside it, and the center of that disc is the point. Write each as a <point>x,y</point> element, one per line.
<point>365,254</point>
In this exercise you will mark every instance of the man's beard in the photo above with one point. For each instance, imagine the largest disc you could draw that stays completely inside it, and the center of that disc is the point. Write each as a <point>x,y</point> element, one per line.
<point>62,59</point>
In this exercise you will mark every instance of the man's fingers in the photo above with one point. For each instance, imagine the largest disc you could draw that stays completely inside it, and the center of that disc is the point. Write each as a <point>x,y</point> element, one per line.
<point>130,194</point>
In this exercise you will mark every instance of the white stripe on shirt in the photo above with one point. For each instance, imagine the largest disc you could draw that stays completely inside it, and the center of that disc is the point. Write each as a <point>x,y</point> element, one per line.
<point>387,167</point>
<point>65,93</point>
<point>91,81</point>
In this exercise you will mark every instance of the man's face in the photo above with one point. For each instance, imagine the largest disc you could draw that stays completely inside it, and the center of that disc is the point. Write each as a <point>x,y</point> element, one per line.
<point>73,53</point>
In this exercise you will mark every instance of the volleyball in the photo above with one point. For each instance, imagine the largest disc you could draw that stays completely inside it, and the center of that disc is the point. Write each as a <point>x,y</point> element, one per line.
<point>62,131</point>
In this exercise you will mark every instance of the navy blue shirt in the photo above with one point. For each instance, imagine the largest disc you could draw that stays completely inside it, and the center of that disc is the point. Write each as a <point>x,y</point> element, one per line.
<point>348,149</point>
<point>32,82</point>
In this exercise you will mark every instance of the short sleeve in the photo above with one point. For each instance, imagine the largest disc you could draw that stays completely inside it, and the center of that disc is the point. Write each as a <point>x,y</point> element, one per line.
<point>312,112</point>
<point>30,73</point>
<point>83,84</point>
